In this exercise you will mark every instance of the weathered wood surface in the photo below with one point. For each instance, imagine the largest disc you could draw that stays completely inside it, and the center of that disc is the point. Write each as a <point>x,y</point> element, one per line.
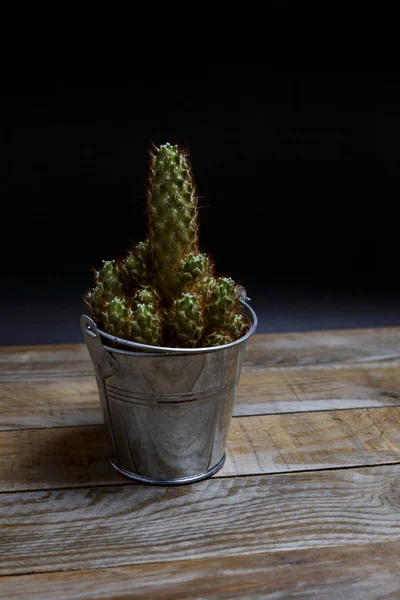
<point>318,387</point>
<point>345,572</point>
<point>323,347</point>
<point>18,363</point>
<point>306,506</point>
<point>65,401</point>
<point>77,456</point>
<point>88,528</point>
<point>57,402</point>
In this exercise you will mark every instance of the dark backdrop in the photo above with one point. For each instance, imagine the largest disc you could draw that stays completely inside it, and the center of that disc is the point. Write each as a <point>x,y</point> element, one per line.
<point>297,174</point>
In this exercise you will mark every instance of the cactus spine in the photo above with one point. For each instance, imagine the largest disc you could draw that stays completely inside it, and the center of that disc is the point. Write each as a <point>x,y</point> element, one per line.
<point>165,291</point>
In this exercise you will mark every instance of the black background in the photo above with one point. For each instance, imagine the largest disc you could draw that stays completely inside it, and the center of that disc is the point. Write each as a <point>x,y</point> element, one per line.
<point>297,174</point>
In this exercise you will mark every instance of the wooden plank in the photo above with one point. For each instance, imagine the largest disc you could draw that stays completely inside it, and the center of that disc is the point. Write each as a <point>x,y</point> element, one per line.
<point>24,363</point>
<point>364,571</point>
<point>77,456</point>
<point>55,458</point>
<point>49,403</point>
<point>307,441</point>
<point>88,528</point>
<point>323,347</point>
<point>19,363</point>
<point>318,387</point>
<point>61,402</point>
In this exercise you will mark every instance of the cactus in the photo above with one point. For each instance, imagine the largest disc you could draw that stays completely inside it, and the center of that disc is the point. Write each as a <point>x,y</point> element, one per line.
<point>135,267</point>
<point>165,291</point>
<point>217,338</point>
<point>147,295</point>
<point>222,308</point>
<point>107,286</point>
<point>194,269</point>
<point>172,217</point>
<point>185,318</point>
<point>146,325</point>
<point>119,317</point>
<point>110,277</point>
<point>147,318</point>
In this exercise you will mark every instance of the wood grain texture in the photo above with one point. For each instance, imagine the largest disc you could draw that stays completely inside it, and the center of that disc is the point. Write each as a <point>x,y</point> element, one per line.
<point>318,387</point>
<point>365,571</point>
<point>59,402</point>
<point>24,363</point>
<point>77,456</point>
<point>307,441</point>
<point>50,403</point>
<point>88,528</point>
<point>281,520</point>
<point>323,347</point>
<point>19,363</point>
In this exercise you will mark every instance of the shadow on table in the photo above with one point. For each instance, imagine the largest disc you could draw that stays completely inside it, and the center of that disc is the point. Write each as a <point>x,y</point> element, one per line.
<point>60,458</point>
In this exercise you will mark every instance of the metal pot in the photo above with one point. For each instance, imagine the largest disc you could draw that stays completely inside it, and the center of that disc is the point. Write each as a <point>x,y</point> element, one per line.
<point>167,411</point>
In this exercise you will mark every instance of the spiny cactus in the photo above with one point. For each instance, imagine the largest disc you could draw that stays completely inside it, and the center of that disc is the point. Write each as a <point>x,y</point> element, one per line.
<point>107,286</point>
<point>109,278</point>
<point>194,268</point>
<point>222,308</point>
<point>172,216</point>
<point>134,268</point>
<point>147,295</point>
<point>165,291</point>
<point>186,320</point>
<point>118,317</point>
<point>146,325</point>
<point>217,338</point>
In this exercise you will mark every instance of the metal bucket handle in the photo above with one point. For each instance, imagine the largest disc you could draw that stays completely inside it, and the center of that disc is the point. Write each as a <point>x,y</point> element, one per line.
<point>105,364</point>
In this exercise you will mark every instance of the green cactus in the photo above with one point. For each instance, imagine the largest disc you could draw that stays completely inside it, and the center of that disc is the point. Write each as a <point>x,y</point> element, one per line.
<point>107,286</point>
<point>142,324</point>
<point>147,295</point>
<point>217,338</point>
<point>221,300</point>
<point>97,303</point>
<point>109,278</point>
<point>194,269</point>
<point>236,325</point>
<point>119,318</point>
<point>172,217</point>
<point>146,325</point>
<point>147,317</point>
<point>164,291</point>
<point>186,320</point>
<point>135,267</point>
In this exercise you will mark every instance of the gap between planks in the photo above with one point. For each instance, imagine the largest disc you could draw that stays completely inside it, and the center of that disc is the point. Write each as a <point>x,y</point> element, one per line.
<point>217,518</point>
<point>77,456</point>
<point>62,402</point>
<point>265,350</point>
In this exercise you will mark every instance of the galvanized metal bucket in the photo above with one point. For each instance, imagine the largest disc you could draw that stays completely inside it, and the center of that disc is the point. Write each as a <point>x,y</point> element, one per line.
<point>167,411</point>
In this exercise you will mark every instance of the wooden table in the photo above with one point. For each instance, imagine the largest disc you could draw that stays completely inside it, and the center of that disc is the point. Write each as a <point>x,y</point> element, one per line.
<point>307,505</point>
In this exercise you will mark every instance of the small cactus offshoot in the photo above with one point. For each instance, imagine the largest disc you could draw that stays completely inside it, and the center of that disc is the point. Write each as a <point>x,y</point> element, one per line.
<point>185,318</point>
<point>165,292</point>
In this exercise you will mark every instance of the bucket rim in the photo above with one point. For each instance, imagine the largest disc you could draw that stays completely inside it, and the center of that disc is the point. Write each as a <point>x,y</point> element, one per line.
<point>162,350</point>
